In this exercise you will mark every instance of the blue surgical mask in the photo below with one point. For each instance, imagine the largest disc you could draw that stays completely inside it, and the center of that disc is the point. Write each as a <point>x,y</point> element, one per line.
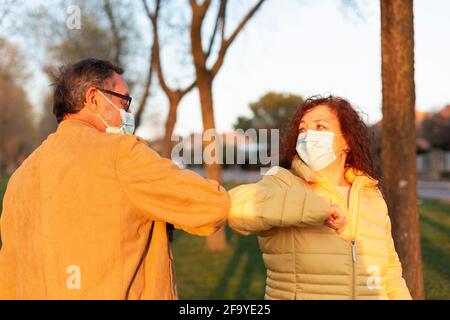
<point>128,125</point>
<point>315,148</point>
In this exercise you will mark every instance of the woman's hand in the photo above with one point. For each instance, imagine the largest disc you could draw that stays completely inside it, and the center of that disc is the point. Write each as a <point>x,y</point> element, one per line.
<point>337,220</point>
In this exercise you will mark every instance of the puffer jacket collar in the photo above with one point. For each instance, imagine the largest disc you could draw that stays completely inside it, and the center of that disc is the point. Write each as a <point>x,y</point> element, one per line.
<point>300,169</point>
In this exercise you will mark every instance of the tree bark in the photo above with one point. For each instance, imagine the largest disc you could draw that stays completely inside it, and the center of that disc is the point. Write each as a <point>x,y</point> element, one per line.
<point>398,153</point>
<point>217,241</point>
<point>170,125</point>
<point>117,39</point>
<point>205,78</point>
<point>174,95</point>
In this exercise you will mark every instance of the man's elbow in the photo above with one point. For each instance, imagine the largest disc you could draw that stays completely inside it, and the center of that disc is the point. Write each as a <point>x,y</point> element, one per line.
<point>221,208</point>
<point>204,230</point>
<point>236,223</point>
<point>213,218</point>
<point>239,231</point>
<point>220,218</point>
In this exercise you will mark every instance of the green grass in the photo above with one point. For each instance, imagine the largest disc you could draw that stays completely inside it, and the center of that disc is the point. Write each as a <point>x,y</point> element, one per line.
<point>435,232</point>
<point>236,273</point>
<point>239,273</point>
<point>3,182</point>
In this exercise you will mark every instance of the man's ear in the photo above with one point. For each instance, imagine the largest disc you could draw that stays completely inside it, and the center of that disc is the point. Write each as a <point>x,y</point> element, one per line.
<point>91,99</point>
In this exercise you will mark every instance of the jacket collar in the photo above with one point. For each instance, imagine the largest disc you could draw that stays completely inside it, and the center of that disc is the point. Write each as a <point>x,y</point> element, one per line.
<point>300,169</point>
<point>74,123</point>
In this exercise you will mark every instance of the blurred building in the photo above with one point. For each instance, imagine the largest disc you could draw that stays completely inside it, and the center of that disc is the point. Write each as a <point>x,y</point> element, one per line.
<point>432,144</point>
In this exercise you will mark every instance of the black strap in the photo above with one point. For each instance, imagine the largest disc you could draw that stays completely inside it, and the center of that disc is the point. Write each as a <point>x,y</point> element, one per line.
<point>170,229</point>
<point>144,254</point>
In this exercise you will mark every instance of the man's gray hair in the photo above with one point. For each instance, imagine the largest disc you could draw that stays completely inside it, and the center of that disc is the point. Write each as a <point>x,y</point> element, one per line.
<point>73,81</point>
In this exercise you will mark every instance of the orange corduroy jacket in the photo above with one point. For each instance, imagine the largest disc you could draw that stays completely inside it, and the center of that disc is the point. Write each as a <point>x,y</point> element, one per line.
<point>85,217</point>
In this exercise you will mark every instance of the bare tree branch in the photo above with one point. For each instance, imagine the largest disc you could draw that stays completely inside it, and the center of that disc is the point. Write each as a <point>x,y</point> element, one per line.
<point>205,5</point>
<point>188,88</point>
<point>117,39</point>
<point>156,54</point>
<point>244,21</point>
<point>174,95</point>
<point>224,16</point>
<point>148,80</point>
<point>153,17</point>
<point>205,78</point>
<point>145,95</point>
<point>226,43</point>
<point>219,20</point>
<point>200,8</point>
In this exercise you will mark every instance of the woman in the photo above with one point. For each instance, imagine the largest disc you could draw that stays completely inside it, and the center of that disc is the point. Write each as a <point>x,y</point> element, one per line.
<point>308,253</point>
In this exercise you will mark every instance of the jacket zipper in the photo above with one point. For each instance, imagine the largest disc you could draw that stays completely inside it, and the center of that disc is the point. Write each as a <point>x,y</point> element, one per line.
<point>353,251</point>
<point>355,222</point>
<point>353,267</point>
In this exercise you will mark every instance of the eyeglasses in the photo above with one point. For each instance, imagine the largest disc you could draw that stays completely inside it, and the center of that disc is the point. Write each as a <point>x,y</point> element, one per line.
<point>128,99</point>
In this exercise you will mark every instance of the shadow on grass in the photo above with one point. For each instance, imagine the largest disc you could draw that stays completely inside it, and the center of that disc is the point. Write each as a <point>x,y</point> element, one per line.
<point>445,230</point>
<point>246,248</point>
<point>434,256</point>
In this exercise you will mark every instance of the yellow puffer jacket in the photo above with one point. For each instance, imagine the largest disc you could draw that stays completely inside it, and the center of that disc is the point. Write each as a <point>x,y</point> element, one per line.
<point>304,258</point>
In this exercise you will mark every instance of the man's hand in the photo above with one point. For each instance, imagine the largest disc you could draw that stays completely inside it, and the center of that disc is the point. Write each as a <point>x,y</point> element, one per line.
<point>336,220</point>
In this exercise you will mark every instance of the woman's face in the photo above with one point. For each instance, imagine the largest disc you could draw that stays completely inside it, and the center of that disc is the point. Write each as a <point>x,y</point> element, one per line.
<point>322,118</point>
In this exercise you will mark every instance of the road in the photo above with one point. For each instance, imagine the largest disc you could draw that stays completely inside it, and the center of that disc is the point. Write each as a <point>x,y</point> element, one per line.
<point>438,190</point>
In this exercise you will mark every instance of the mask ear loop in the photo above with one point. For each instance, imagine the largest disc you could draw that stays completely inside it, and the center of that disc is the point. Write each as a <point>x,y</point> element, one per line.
<point>102,120</point>
<point>341,152</point>
<point>109,100</point>
<point>110,103</point>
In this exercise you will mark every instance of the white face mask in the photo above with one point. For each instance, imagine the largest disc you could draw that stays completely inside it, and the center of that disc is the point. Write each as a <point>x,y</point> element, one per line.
<point>127,126</point>
<point>315,148</point>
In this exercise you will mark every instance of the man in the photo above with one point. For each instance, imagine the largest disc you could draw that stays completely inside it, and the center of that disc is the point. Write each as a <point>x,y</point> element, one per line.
<point>86,214</point>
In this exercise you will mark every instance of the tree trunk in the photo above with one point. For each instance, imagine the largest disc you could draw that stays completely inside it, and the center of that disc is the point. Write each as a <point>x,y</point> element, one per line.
<point>205,79</point>
<point>217,241</point>
<point>398,153</point>
<point>170,125</point>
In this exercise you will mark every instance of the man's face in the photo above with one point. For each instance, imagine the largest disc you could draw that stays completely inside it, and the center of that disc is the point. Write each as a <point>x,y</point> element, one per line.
<point>103,101</point>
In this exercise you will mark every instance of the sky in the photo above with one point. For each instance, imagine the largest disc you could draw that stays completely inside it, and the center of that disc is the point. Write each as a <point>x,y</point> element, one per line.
<point>317,47</point>
<point>310,47</point>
